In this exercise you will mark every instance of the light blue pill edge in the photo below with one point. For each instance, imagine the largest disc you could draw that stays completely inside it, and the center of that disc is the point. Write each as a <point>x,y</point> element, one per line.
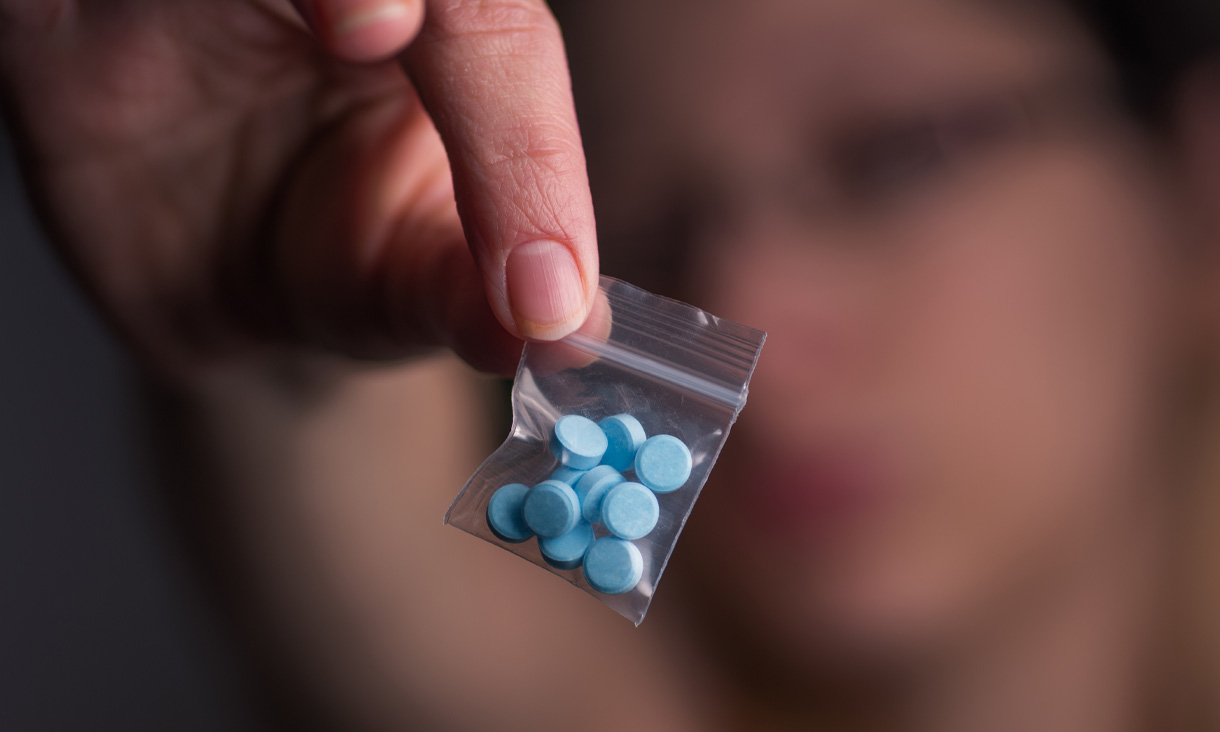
<point>548,522</point>
<point>590,488</point>
<point>613,566</point>
<point>630,511</point>
<point>504,514</point>
<point>624,435</point>
<point>591,502</point>
<point>567,551</point>
<point>578,442</point>
<point>564,474</point>
<point>663,463</point>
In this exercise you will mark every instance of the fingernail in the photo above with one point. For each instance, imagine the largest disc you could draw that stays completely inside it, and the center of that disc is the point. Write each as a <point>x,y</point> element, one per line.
<point>545,292</point>
<point>365,15</point>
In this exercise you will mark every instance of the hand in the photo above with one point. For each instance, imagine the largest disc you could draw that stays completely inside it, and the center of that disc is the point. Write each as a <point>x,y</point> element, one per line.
<point>241,178</point>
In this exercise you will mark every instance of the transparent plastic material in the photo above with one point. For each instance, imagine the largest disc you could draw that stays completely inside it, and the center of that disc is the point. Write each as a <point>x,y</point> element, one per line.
<point>679,370</point>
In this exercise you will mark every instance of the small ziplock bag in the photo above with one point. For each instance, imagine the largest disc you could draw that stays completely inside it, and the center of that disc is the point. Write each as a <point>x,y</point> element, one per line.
<point>600,420</point>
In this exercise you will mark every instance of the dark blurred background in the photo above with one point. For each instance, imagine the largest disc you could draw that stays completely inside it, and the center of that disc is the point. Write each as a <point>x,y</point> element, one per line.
<point>101,624</point>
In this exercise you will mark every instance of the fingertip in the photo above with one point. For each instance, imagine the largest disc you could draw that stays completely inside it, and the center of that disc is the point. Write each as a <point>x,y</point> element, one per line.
<point>547,294</point>
<point>364,31</point>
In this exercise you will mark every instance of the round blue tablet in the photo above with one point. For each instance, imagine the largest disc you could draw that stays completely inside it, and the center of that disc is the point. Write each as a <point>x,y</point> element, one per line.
<point>564,474</point>
<point>663,463</point>
<point>567,551</point>
<point>613,566</point>
<point>504,515</point>
<point>630,511</point>
<point>624,435</point>
<point>578,442</point>
<point>551,508</point>
<point>592,487</point>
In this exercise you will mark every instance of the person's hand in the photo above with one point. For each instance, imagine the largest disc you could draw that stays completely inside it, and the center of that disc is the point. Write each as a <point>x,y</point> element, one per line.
<point>230,180</point>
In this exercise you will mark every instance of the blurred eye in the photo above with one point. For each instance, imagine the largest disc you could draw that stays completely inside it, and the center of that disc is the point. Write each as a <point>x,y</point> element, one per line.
<point>883,162</point>
<point>986,123</point>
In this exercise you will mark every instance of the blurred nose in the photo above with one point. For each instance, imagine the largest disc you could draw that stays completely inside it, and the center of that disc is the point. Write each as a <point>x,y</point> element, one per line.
<point>818,291</point>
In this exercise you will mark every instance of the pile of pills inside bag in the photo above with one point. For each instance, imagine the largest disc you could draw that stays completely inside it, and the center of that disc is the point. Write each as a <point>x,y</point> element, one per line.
<point>589,490</point>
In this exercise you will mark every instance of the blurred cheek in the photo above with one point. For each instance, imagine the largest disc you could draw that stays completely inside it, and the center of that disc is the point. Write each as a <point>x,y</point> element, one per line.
<point>1000,355</point>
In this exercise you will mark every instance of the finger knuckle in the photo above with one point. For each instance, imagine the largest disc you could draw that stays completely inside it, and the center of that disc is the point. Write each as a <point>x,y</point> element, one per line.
<point>541,148</point>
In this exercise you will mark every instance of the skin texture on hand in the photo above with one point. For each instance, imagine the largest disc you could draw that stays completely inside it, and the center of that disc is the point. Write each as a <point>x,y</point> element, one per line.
<point>230,178</point>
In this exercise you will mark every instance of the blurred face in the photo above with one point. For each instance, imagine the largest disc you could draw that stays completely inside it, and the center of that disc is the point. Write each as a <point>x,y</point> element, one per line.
<point>967,263</point>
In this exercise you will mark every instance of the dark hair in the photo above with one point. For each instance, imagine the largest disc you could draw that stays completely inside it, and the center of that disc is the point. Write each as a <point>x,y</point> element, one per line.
<point>1153,44</point>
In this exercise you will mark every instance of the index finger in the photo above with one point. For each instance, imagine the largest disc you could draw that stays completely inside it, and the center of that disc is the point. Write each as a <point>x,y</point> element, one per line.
<point>493,75</point>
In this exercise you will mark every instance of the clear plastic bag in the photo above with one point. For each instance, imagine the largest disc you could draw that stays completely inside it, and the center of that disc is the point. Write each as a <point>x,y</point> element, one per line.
<point>677,369</point>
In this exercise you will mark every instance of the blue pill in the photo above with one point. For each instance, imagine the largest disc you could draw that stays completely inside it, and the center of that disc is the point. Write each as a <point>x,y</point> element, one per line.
<point>504,514</point>
<point>578,442</point>
<point>567,551</point>
<point>564,474</point>
<point>592,487</point>
<point>551,508</point>
<point>663,463</point>
<point>624,435</point>
<point>613,566</point>
<point>630,511</point>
